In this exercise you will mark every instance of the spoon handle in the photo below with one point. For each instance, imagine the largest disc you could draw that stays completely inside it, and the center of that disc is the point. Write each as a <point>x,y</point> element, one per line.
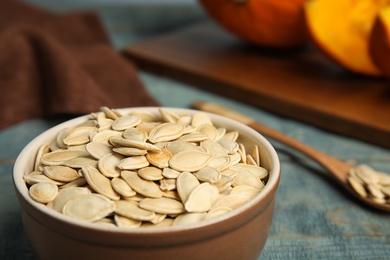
<point>338,168</point>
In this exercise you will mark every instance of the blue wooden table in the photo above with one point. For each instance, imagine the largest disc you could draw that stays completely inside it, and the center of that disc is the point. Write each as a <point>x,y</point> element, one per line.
<point>314,218</point>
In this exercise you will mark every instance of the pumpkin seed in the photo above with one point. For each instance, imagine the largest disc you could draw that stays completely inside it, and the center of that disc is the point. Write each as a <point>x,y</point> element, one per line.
<point>131,210</point>
<point>44,149</point>
<point>108,165</point>
<point>135,134</point>
<point>97,150</point>
<point>58,157</point>
<point>245,190</point>
<point>201,118</point>
<point>150,173</point>
<point>124,122</point>
<point>129,151</point>
<point>245,177</point>
<point>65,195</point>
<point>189,160</point>
<point>134,143</point>
<point>188,218</point>
<point>100,183</point>
<point>133,163</point>
<point>43,192</point>
<point>60,173</point>
<point>208,174</point>
<point>159,159</point>
<point>125,222</point>
<point>201,198</point>
<point>79,135</point>
<point>162,205</point>
<point>121,187</point>
<point>186,182</point>
<point>89,207</point>
<point>141,186</point>
<point>166,132</point>
<point>105,136</point>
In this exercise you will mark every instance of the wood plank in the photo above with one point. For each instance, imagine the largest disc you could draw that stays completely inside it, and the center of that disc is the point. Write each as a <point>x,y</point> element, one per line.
<point>299,84</point>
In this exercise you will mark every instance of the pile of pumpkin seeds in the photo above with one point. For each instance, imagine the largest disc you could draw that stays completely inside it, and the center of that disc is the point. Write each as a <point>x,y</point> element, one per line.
<point>369,183</point>
<point>140,170</point>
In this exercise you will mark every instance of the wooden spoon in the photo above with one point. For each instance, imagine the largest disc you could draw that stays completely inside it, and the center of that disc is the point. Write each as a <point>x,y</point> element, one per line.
<point>338,169</point>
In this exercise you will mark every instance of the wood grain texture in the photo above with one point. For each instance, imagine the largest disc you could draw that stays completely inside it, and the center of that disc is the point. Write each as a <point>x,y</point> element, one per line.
<point>298,83</point>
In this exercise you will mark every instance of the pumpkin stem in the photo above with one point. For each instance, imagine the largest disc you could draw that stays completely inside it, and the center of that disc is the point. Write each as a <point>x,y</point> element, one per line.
<point>240,2</point>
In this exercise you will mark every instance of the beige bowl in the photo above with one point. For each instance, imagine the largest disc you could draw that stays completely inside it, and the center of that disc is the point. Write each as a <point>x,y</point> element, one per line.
<point>239,234</point>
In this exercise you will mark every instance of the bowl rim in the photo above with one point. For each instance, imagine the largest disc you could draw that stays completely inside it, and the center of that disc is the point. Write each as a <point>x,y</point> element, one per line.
<point>25,157</point>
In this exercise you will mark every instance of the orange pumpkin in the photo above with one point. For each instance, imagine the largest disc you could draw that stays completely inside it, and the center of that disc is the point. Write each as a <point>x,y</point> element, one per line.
<point>341,30</point>
<point>273,23</point>
<point>379,44</point>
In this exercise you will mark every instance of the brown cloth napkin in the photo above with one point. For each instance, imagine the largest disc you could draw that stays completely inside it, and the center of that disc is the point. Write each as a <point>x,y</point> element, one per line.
<point>60,64</point>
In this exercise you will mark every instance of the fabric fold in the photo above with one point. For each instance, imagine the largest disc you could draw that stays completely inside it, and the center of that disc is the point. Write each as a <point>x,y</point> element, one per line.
<point>60,64</point>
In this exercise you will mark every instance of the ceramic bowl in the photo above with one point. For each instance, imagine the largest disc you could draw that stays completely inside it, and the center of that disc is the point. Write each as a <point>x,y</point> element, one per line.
<point>239,234</point>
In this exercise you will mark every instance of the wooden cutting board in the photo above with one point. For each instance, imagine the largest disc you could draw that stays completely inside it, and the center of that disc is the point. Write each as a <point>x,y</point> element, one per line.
<point>299,84</point>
